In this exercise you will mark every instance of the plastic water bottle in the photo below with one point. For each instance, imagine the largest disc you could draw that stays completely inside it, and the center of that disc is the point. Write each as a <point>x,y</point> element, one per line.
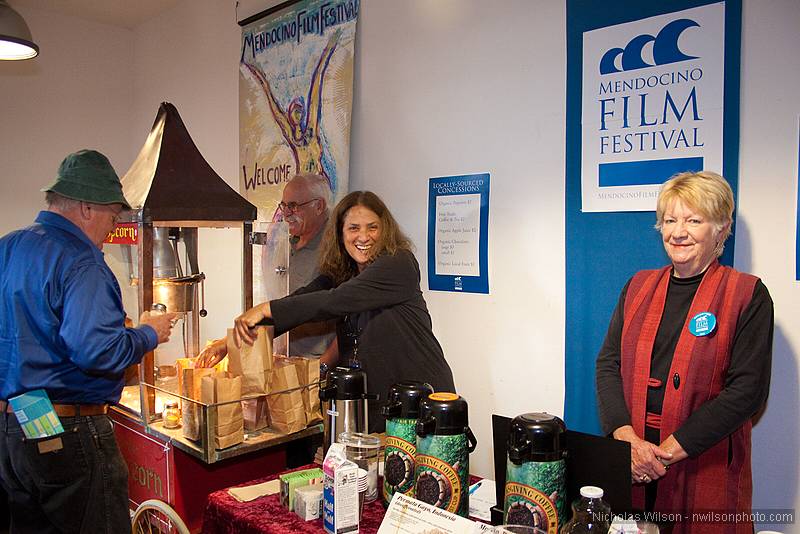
<point>590,513</point>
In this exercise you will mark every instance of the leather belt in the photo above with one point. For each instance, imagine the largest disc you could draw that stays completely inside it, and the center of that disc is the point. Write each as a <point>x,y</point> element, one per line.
<point>67,410</point>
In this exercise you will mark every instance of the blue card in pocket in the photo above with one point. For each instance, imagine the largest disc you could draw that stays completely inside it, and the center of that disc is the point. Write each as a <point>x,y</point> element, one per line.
<point>35,414</point>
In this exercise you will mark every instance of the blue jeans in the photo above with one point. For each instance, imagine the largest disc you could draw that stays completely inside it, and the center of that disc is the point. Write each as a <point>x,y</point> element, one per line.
<point>81,487</point>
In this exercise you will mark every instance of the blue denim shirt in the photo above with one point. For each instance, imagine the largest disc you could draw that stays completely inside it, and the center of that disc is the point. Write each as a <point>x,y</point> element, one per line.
<point>61,316</point>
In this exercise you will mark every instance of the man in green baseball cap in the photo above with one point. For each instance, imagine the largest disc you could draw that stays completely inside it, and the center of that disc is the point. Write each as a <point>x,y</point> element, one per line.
<point>64,333</point>
<point>87,191</point>
<point>88,175</point>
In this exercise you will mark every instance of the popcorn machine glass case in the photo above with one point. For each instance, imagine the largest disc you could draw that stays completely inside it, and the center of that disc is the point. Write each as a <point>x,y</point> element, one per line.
<point>179,200</point>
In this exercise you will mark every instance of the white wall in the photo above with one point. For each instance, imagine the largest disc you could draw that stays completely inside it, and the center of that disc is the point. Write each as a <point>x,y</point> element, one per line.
<point>76,94</point>
<point>765,241</point>
<point>453,87</point>
<point>446,87</point>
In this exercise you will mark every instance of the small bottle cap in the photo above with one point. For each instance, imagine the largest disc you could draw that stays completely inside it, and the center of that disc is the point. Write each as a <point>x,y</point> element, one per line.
<point>592,492</point>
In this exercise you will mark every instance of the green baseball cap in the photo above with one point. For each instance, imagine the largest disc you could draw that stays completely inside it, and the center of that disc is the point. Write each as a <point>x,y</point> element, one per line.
<point>87,175</point>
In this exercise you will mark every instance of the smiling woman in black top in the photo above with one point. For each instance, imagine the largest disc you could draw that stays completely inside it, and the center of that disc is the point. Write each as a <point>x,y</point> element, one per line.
<point>370,284</point>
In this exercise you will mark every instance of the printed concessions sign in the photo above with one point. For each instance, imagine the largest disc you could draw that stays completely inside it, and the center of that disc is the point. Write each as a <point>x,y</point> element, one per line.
<point>652,105</point>
<point>295,98</point>
<point>458,233</point>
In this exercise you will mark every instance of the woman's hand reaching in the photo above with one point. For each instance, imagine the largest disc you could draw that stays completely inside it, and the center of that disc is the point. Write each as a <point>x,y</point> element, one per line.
<point>244,326</point>
<point>212,354</point>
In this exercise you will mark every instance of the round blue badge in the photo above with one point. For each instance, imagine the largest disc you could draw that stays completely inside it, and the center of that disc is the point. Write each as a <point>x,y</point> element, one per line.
<point>702,324</point>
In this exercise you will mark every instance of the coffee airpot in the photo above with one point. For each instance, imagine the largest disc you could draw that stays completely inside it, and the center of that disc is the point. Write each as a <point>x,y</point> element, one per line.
<point>344,403</point>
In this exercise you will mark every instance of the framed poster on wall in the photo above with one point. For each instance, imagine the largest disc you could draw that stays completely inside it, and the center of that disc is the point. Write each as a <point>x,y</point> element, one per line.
<point>458,226</point>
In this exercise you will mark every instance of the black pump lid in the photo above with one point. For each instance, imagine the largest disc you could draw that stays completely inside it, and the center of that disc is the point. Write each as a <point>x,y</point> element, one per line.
<point>344,383</point>
<point>536,437</point>
<point>442,414</point>
<point>403,399</point>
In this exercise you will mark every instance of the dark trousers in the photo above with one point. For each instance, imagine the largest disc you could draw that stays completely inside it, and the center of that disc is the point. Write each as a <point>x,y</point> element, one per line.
<point>81,487</point>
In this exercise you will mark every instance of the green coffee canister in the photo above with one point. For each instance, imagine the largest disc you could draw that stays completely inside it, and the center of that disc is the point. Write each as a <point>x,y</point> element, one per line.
<point>444,441</point>
<point>401,411</point>
<point>535,491</point>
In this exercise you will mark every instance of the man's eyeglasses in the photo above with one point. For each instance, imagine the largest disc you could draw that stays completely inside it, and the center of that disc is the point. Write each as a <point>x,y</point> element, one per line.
<point>291,207</point>
<point>116,214</point>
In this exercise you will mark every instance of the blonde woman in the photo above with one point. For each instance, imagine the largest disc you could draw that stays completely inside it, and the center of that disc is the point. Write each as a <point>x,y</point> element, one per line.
<point>686,363</point>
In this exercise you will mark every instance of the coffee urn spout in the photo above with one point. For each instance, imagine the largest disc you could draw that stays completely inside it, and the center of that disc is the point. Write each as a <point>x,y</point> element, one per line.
<point>391,409</point>
<point>327,392</point>
<point>426,426</point>
<point>517,453</point>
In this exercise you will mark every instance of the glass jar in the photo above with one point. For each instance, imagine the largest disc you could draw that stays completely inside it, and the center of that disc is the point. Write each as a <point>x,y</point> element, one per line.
<point>362,449</point>
<point>171,415</point>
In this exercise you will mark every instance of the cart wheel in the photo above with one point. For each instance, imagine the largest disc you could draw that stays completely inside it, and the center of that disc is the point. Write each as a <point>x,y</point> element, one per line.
<point>157,517</point>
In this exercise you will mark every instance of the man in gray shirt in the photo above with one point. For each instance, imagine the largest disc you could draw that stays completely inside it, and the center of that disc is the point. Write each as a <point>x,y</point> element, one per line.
<point>305,206</point>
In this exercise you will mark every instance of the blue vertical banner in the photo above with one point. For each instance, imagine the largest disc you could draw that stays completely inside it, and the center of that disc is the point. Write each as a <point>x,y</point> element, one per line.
<point>458,233</point>
<point>797,231</point>
<point>652,90</point>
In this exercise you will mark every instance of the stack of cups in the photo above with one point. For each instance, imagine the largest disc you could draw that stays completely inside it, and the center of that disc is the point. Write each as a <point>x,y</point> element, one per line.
<point>363,485</point>
<point>362,449</point>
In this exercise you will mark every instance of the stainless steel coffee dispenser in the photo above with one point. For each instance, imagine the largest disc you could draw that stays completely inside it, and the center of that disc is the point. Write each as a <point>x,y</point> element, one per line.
<point>344,403</point>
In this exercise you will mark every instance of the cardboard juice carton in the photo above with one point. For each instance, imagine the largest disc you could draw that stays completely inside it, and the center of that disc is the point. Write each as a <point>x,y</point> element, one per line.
<point>340,504</point>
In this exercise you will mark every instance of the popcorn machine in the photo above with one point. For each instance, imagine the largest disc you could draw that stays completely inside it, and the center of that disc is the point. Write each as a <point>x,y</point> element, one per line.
<point>179,201</point>
<point>175,193</point>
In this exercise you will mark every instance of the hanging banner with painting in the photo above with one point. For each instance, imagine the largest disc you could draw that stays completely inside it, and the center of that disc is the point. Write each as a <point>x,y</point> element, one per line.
<point>295,98</point>
<point>652,105</point>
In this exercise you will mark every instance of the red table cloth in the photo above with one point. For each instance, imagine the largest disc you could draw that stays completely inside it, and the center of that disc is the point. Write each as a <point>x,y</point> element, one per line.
<point>265,515</point>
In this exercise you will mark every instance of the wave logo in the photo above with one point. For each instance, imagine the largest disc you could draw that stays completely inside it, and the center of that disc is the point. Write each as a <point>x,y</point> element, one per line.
<point>665,49</point>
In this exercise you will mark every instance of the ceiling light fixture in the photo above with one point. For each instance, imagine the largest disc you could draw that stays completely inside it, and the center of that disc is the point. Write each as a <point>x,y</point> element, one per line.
<point>16,42</point>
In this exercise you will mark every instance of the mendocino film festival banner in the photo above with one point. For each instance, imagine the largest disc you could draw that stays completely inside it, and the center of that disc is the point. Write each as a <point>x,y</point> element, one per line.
<point>652,105</point>
<point>652,90</point>
<point>295,99</point>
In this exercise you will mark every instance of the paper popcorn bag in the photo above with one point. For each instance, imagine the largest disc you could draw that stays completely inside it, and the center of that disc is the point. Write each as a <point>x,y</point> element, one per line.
<point>252,362</point>
<point>286,410</point>
<point>229,427</point>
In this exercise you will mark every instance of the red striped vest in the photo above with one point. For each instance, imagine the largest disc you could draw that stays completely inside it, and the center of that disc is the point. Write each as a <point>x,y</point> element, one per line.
<point>707,482</point>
